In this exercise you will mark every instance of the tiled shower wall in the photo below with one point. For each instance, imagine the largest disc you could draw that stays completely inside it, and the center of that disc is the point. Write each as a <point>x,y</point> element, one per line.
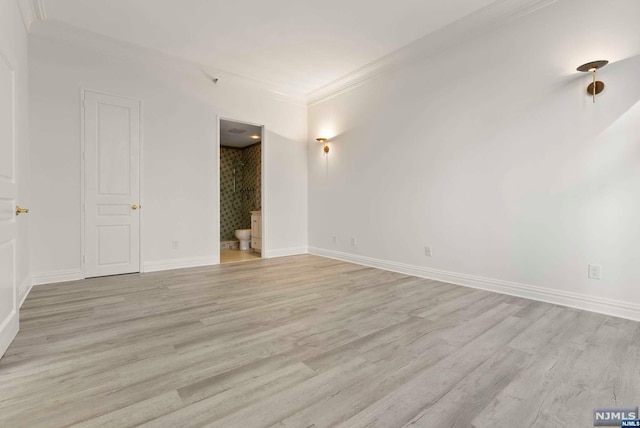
<point>252,180</point>
<point>236,207</point>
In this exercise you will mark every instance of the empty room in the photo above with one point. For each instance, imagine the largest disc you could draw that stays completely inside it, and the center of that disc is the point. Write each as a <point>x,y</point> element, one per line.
<point>295,214</point>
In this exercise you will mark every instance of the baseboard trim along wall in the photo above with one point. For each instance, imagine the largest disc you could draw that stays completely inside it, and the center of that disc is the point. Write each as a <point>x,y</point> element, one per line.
<point>57,276</point>
<point>178,264</point>
<point>154,266</point>
<point>24,290</point>
<point>573,300</point>
<point>283,252</point>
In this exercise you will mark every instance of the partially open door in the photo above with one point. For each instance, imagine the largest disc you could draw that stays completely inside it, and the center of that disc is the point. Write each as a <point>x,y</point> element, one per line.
<point>8,191</point>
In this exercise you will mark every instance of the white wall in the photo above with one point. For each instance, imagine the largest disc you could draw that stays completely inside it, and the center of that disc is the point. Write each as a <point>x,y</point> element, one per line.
<point>492,154</point>
<point>179,121</point>
<point>13,44</point>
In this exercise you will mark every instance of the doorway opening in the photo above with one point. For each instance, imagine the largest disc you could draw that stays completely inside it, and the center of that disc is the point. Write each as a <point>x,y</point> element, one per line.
<point>241,237</point>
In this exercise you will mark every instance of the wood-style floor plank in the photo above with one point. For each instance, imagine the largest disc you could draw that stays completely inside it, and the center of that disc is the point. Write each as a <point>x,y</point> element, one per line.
<point>306,341</point>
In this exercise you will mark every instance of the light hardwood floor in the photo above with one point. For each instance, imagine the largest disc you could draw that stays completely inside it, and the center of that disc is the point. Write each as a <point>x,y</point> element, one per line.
<point>235,256</point>
<point>306,341</point>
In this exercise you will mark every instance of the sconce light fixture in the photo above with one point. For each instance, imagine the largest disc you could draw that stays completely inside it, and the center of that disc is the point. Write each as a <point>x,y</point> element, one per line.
<point>591,67</point>
<point>323,141</point>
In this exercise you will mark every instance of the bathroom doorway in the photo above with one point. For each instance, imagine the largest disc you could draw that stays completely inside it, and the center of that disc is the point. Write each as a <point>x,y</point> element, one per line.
<point>241,237</point>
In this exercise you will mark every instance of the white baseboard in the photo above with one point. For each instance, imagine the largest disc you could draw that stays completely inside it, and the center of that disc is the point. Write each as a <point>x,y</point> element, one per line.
<point>283,252</point>
<point>57,276</point>
<point>179,264</point>
<point>611,307</point>
<point>24,290</point>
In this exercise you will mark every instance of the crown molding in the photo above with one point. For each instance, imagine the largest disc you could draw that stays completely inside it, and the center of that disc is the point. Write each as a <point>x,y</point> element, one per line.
<point>31,11</point>
<point>75,36</point>
<point>496,14</point>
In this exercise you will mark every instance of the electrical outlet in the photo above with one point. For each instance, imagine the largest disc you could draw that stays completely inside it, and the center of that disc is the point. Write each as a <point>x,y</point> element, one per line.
<point>175,245</point>
<point>334,239</point>
<point>427,251</point>
<point>595,272</point>
<point>353,241</point>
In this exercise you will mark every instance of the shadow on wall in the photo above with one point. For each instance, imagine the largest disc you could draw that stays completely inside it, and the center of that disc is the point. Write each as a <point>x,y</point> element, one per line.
<point>240,188</point>
<point>528,183</point>
<point>572,176</point>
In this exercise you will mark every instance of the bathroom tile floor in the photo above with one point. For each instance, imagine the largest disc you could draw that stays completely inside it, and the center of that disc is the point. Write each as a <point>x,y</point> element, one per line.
<point>234,256</point>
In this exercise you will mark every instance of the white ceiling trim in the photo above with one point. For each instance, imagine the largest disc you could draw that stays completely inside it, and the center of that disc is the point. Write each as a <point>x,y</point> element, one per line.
<point>71,35</point>
<point>31,11</point>
<point>499,13</point>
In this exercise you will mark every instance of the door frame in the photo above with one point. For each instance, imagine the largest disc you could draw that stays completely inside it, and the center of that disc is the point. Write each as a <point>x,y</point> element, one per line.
<point>263,180</point>
<point>83,91</point>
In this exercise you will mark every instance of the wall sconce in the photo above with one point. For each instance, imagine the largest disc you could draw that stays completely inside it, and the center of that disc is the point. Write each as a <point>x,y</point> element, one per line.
<point>596,86</point>
<point>323,141</point>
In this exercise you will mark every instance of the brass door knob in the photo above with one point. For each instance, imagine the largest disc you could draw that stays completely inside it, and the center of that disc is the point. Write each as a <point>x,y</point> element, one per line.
<point>134,207</point>
<point>20,210</point>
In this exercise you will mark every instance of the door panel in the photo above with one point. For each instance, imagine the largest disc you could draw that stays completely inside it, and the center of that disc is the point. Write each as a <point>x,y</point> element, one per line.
<point>7,140</point>
<point>113,245</point>
<point>112,184</point>
<point>8,189</point>
<point>114,144</point>
<point>7,274</point>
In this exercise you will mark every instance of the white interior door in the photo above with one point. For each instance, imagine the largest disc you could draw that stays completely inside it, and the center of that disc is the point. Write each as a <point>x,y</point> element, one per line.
<point>112,185</point>
<point>8,189</point>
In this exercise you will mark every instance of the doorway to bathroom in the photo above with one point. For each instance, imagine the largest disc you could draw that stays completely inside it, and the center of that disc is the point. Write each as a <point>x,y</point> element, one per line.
<point>241,237</point>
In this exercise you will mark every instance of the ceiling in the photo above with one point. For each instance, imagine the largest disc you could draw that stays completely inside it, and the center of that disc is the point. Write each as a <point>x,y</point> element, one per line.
<point>238,134</point>
<point>295,46</point>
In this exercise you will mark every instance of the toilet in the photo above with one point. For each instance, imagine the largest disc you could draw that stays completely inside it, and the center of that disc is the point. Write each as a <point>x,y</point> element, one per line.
<point>244,235</point>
